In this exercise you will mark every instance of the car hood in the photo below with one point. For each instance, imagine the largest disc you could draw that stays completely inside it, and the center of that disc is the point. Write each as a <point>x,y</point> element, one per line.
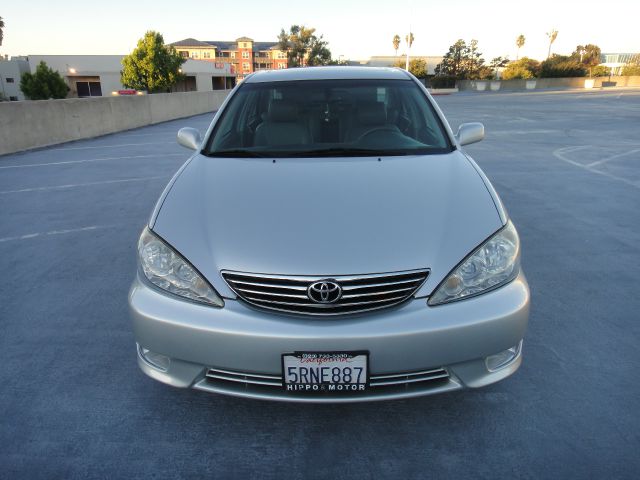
<point>327,216</point>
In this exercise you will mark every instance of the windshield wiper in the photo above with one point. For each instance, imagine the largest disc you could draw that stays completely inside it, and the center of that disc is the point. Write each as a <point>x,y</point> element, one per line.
<point>237,153</point>
<point>341,152</point>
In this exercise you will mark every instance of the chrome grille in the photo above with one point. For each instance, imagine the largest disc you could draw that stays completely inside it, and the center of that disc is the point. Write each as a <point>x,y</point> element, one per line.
<point>245,378</point>
<point>394,381</point>
<point>360,293</point>
<point>407,378</point>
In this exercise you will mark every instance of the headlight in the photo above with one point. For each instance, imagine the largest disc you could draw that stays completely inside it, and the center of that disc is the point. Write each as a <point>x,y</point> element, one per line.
<point>494,263</point>
<point>166,269</point>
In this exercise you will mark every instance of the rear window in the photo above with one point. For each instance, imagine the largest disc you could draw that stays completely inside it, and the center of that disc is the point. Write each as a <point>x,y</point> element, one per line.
<point>328,118</point>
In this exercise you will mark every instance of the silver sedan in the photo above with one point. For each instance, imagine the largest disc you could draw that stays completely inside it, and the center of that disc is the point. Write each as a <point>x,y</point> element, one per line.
<point>329,241</point>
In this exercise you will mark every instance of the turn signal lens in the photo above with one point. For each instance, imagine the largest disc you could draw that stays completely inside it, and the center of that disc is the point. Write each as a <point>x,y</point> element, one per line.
<point>504,358</point>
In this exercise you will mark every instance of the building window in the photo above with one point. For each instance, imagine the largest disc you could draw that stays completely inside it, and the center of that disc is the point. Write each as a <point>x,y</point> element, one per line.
<point>282,66</point>
<point>233,54</point>
<point>245,54</point>
<point>184,54</point>
<point>194,54</point>
<point>282,55</point>
<point>89,89</point>
<point>9,80</point>
<point>206,55</point>
<point>245,66</point>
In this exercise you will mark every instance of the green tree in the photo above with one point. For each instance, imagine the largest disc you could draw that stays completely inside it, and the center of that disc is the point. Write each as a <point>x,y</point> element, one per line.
<point>452,62</point>
<point>588,55</point>
<point>519,43</point>
<point>396,43</point>
<point>496,63</point>
<point>304,47</point>
<point>562,66</point>
<point>44,84</point>
<point>319,53</point>
<point>464,62</point>
<point>553,34</point>
<point>152,66</point>
<point>1,30</point>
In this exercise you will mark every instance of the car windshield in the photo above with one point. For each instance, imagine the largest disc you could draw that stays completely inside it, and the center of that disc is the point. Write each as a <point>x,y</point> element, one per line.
<point>328,118</point>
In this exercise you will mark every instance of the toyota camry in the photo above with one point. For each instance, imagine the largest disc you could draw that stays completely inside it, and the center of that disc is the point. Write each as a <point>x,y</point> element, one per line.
<point>329,240</point>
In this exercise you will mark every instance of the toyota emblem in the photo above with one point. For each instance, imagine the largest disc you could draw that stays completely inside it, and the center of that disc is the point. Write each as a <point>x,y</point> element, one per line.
<point>324,291</point>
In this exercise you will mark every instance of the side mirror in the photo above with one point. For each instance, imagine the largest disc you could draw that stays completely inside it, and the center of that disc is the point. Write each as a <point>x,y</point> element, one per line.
<point>470,133</point>
<point>189,138</point>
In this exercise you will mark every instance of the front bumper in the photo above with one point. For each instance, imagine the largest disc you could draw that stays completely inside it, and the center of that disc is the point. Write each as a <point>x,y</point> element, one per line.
<point>413,337</point>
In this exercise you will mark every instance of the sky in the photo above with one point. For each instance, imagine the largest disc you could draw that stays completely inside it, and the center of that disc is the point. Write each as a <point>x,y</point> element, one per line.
<point>355,30</point>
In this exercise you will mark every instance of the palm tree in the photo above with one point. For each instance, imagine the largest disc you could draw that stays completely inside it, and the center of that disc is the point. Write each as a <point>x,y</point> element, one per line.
<point>396,43</point>
<point>519,44</point>
<point>1,30</point>
<point>410,38</point>
<point>552,38</point>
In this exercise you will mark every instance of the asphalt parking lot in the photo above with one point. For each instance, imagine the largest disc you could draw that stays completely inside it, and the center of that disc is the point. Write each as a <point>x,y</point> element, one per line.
<point>73,403</point>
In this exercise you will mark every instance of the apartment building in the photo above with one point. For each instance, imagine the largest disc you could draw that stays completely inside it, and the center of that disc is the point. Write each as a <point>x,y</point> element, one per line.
<point>244,54</point>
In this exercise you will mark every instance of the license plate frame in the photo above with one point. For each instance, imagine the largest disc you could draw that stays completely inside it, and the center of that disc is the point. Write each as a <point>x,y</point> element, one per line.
<point>322,381</point>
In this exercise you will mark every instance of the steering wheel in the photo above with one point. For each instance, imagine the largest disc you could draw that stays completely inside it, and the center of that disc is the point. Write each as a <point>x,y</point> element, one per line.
<point>386,128</point>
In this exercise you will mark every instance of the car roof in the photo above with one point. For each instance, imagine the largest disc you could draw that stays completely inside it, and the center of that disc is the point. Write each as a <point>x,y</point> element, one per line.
<point>327,73</point>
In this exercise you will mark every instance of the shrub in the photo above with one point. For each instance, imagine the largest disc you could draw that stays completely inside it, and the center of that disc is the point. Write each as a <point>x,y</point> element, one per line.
<point>631,69</point>
<point>558,66</point>
<point>417,66</point>
<point>443,81</point>
<point>523,68</point>
<point>600,71</point>
<point>44,84</point>
<point>516,72</point>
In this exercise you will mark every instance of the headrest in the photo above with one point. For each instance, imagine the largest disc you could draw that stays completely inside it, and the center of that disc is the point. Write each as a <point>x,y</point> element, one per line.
<point>372,114</point>
<point>280,111</point>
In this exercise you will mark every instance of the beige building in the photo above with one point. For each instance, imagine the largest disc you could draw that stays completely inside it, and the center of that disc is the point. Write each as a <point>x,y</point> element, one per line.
<point>99,75</point>
<point>390,61</point>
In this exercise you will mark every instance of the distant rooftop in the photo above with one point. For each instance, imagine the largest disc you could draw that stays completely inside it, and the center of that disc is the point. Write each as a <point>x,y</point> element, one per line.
<point>190,42</point>
<point>224,44</point>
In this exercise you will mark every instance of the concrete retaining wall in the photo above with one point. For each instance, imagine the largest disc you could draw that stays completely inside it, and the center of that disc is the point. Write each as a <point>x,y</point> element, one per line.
<point>31,124</point>
<point>547,83</point>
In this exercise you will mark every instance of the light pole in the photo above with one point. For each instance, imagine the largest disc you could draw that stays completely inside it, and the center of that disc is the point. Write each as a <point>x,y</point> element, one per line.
<point>408,49</point>
<point>409,38</point>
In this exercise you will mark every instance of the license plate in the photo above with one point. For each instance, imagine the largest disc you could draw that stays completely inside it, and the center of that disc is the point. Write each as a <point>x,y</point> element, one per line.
<point>339,372</point>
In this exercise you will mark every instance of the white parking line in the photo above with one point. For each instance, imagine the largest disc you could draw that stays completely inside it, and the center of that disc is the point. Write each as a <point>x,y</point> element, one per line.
<point>521,132</point>
<point>561,152</point>
<point>55,232</point>
<point>89,184</point>
<point>111,146</point>
<point>67,162</point>
<point>604,160</point>
<point>158,134</point>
